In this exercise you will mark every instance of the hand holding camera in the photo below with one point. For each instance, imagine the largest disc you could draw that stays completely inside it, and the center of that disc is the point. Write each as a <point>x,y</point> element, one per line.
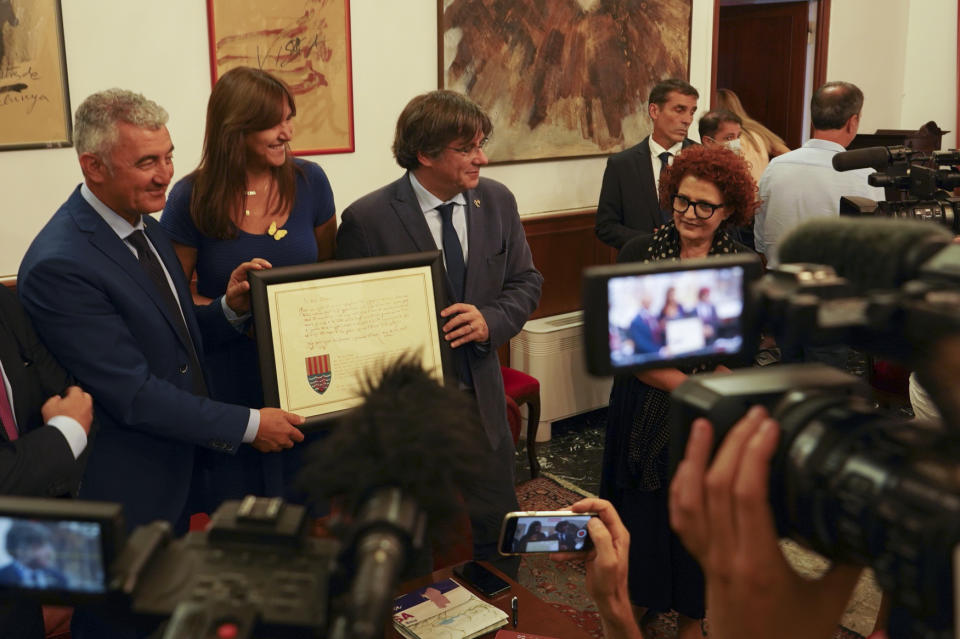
<point>723,516</point>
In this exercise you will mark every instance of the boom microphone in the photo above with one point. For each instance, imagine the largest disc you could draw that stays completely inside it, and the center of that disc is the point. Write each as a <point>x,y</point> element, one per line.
<point>875,157</point>
<point>870,253</point>
<point>397,463</point>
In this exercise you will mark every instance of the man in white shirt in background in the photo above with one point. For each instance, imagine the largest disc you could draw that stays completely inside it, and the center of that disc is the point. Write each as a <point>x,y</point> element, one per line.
<point>802,184</point>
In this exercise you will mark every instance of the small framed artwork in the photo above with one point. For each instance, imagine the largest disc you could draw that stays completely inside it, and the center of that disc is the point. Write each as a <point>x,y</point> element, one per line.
<point>34,99</point>
<point>305,43</point>
<point>324,329</point>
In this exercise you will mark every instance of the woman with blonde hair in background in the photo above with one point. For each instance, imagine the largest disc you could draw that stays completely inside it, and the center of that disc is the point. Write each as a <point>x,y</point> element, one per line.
<point>760,144</point>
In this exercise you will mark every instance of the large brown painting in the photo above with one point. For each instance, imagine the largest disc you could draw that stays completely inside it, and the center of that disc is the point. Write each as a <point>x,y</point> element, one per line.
<point>562,78</point>
<point>306,43</point>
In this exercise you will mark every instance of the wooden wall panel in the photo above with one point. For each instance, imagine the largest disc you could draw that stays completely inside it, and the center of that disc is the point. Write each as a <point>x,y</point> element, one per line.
<point>563,245</point>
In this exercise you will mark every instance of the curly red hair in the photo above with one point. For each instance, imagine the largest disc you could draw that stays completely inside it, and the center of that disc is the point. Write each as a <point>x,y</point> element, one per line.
<point>722,168</point>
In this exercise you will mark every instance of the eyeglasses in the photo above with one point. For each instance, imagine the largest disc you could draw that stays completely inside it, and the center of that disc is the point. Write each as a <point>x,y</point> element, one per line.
<point>471,149</point>
<point>702,210</point>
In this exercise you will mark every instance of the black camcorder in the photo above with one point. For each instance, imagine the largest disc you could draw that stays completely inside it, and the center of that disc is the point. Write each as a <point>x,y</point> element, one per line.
<point>925,181</point>
<point>849,480</point>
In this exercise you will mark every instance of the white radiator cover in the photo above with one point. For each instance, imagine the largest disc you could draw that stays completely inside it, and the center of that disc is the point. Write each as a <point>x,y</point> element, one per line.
<point>551,349</point>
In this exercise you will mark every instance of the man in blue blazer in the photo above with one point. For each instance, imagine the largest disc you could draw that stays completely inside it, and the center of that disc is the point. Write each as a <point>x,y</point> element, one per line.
<point>442,202</point>
<point>110,301</point>
<point>109,324</point>
<point>629,202</point>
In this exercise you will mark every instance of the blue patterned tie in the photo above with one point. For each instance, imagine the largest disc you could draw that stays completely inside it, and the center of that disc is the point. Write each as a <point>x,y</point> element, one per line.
<point>457,275</point>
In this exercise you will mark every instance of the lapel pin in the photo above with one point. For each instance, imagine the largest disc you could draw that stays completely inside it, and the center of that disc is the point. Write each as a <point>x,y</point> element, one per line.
<point>476,203</point>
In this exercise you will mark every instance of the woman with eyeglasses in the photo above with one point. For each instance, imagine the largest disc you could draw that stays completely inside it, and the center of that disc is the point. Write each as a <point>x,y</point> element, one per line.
<point>708,191</point>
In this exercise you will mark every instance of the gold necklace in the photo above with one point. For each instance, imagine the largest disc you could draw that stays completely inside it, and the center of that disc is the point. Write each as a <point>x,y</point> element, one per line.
<point>251,192</point>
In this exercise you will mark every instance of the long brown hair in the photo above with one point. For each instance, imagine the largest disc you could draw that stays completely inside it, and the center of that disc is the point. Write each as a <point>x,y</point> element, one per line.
<point>727,99</point>
<point>243,100</point>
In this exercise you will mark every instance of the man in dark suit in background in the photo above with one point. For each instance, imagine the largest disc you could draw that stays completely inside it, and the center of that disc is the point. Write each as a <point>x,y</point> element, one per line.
<point>442,202</point>
<point>629,203</point>
<point>108,297</point>
<point>41,435</point>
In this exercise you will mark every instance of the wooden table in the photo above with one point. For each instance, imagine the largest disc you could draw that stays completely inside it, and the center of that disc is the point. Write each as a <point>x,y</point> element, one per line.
<point>536,616</point>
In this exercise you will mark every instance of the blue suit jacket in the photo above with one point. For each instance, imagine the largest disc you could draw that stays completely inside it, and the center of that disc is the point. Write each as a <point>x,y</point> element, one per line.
<point>501,279</point>
<point>101,317</point>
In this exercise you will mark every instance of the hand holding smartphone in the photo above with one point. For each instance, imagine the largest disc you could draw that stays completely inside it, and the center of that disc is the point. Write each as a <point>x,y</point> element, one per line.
<point>544,532</point>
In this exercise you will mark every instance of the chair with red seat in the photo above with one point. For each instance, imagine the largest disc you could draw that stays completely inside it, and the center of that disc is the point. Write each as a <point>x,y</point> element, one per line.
<point>524,389</point>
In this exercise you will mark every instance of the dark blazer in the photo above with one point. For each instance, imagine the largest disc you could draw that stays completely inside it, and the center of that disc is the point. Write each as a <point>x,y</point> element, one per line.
<point>39,463</point>
<point>501,279</point>
<point>629,204</point>
<point>102,318</point>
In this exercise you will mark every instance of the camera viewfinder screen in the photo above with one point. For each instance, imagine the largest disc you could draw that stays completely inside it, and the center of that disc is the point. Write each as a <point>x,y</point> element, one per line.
<point>51,555</point>
<point>550,534</point>
<point>664,316</point>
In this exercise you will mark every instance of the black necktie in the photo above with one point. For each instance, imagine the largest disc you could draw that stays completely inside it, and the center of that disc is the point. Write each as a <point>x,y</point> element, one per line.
<point>154,270</point>
<point>457,275</point>
<point>452,252</point>
<point>666,214</point>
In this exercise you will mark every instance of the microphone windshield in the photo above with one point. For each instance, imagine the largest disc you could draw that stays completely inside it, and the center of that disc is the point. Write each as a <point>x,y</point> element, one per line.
<point>876,157</point>
<point>410,433</point>
<point>870,253</point>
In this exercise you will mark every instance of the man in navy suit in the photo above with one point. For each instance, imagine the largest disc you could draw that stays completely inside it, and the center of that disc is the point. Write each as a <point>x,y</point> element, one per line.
<point>442,202</point>
<point>110,301</point>
<point>629,201</point>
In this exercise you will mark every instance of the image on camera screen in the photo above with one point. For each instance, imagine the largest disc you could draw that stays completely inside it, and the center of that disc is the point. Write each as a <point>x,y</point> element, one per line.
<point>550,534</point>
<point>51,555</point>
<point>665,316</point>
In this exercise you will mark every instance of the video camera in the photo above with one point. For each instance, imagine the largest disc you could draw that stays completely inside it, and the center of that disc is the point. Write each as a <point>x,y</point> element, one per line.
<point>848,480</point>
<point>925,180</point>
<point>257,571</point>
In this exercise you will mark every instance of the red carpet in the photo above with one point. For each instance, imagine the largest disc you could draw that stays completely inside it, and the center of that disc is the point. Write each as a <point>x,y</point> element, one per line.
<point>562,584</point>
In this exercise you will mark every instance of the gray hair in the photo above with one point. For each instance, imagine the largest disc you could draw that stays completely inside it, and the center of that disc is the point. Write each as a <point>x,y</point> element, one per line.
<point>95,129</point>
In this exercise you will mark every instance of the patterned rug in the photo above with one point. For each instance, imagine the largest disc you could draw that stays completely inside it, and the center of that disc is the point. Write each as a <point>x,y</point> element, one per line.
<point>563,584</point>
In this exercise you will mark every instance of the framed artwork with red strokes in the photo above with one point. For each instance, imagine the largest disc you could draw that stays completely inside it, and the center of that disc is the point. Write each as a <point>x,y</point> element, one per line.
<point>305,43</point>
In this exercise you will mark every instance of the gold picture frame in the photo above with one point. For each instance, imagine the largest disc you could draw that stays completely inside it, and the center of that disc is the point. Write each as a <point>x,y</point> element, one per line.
<point>34,98</point>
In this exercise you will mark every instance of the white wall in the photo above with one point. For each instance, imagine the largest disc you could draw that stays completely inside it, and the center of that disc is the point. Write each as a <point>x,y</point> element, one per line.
<point>904,60</point>
<point>903,57</point>
<point>162,51</point>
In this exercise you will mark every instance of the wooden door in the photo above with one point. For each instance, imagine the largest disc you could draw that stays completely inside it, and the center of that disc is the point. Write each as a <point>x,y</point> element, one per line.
<point>761,56</point>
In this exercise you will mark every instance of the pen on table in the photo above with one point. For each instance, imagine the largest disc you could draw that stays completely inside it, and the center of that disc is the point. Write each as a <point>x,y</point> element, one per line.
<point>515,607</point>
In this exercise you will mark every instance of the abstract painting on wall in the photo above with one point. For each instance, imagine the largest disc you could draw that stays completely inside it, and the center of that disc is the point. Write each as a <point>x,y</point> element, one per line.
<point>305,43</point>
<point>34,101</point>
<point>562,78</point>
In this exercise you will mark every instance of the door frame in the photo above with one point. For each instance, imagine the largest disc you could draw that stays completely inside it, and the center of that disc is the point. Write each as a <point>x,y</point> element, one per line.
<point>821,42</point>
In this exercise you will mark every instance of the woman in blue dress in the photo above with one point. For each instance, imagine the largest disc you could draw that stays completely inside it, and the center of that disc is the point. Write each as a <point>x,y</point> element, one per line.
<point>248,198</point>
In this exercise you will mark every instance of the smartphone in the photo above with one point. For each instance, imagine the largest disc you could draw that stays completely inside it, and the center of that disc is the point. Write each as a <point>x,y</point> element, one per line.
<point>482,579</point>
<point>545,531</point>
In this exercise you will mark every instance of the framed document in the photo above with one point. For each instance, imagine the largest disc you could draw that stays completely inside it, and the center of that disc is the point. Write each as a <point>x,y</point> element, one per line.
<point>322,329</point>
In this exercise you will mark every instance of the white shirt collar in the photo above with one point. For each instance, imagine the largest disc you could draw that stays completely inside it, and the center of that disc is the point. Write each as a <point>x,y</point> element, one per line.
<point>428,201</point>
<point>120,226</point>
<point>656,149</point>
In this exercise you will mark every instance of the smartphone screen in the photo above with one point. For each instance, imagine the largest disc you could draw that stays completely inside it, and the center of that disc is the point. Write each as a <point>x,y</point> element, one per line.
<point>51,556</point>
<point>555,531</point>
<point>482,579</point>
